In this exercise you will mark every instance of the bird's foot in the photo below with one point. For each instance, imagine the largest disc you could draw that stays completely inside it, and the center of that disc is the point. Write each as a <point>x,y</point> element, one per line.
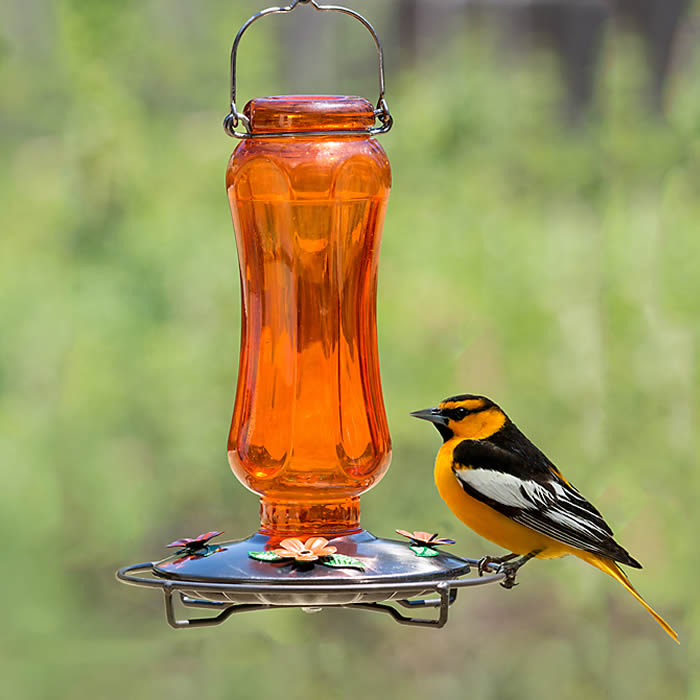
<point>485,563</point>
<point>511,570</point>
<point>510,573</point>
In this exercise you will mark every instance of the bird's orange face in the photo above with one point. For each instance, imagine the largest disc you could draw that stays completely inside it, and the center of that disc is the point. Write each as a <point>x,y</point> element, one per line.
<point>466,416</point>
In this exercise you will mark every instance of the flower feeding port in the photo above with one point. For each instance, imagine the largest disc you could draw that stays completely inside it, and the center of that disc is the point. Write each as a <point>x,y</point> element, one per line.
<point>308,187</point>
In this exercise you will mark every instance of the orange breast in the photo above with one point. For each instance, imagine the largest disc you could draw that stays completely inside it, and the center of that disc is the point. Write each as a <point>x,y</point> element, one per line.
<point>486,521</point>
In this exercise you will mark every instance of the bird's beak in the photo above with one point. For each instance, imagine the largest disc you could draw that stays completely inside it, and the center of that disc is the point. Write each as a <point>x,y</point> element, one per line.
<point>431,414</point>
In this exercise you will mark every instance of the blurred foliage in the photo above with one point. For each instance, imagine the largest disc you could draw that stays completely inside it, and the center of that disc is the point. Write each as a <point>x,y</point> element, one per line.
<point>555,271</point>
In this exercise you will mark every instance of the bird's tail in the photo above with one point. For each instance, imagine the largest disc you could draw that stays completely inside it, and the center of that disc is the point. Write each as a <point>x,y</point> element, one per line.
<point>612,569</point>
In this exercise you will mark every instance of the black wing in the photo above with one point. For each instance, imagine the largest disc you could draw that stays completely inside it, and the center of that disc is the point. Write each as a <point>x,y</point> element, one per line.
<point>534,494</point>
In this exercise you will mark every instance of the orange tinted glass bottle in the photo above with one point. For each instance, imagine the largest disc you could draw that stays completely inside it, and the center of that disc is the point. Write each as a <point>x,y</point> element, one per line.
<point>309,431</point>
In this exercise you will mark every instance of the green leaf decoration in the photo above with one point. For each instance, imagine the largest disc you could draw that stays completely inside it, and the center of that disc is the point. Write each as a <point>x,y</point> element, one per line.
<point>422,551</point>
<point>341,561</point>
<point>265,556</point>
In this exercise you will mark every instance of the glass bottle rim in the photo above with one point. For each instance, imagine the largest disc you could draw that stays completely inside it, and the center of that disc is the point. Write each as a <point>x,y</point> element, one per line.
<point>303,113</point>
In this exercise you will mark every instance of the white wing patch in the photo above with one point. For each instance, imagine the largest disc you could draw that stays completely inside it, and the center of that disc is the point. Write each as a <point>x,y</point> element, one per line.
<point>504,488</point>
<point>553,502</point>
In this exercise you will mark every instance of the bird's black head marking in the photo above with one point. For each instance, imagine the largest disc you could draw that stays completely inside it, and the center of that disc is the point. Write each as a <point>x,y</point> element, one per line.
<point>465,415</point>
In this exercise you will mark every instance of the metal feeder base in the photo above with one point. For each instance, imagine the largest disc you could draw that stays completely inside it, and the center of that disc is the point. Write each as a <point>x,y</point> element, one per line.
<point>227,579</point>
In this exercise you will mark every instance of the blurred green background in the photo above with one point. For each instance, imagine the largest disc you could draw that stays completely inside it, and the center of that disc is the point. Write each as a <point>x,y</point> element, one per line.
<point>541,247</point>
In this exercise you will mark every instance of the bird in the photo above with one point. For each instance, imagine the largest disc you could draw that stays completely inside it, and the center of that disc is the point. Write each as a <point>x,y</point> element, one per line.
<point>503,487</point>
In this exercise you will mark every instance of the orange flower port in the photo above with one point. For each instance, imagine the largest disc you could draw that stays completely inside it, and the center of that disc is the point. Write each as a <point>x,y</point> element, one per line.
<point>427,538</point>
<point>313,549</point>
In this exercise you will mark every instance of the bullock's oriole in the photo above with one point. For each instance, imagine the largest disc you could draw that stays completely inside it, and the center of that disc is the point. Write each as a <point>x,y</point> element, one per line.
<point>506,490</point>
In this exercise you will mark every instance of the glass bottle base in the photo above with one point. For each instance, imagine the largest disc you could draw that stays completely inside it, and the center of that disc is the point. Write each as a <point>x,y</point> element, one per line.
<point>309,518</point>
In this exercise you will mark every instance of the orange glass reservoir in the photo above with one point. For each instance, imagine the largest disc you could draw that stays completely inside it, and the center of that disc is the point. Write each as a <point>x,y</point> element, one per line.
<point>309,431</point>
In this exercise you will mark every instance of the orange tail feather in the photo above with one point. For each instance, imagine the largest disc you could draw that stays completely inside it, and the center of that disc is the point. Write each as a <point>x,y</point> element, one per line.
<point>612,569</point>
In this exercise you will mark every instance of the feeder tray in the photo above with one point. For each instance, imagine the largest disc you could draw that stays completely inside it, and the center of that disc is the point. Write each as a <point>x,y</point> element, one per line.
<point>232,582</point>
<point>308,186</point>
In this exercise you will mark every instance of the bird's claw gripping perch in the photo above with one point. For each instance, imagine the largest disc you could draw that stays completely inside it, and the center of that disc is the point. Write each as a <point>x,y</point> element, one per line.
<point>510,573</point>
<point>511,570</point>
<point>485,563</point>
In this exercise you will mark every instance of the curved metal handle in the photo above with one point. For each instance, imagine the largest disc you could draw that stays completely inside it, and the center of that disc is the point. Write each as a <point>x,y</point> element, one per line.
<point>234,117</point>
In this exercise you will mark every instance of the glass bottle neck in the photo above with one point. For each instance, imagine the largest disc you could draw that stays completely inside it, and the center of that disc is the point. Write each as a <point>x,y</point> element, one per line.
<point>328,519</point>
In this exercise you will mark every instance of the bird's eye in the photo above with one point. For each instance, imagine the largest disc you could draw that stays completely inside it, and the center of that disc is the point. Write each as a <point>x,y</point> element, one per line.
<point>460,413</point>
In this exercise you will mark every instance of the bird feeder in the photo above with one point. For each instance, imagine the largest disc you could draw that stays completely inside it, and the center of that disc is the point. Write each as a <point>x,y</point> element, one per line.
<point>308,187</point>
